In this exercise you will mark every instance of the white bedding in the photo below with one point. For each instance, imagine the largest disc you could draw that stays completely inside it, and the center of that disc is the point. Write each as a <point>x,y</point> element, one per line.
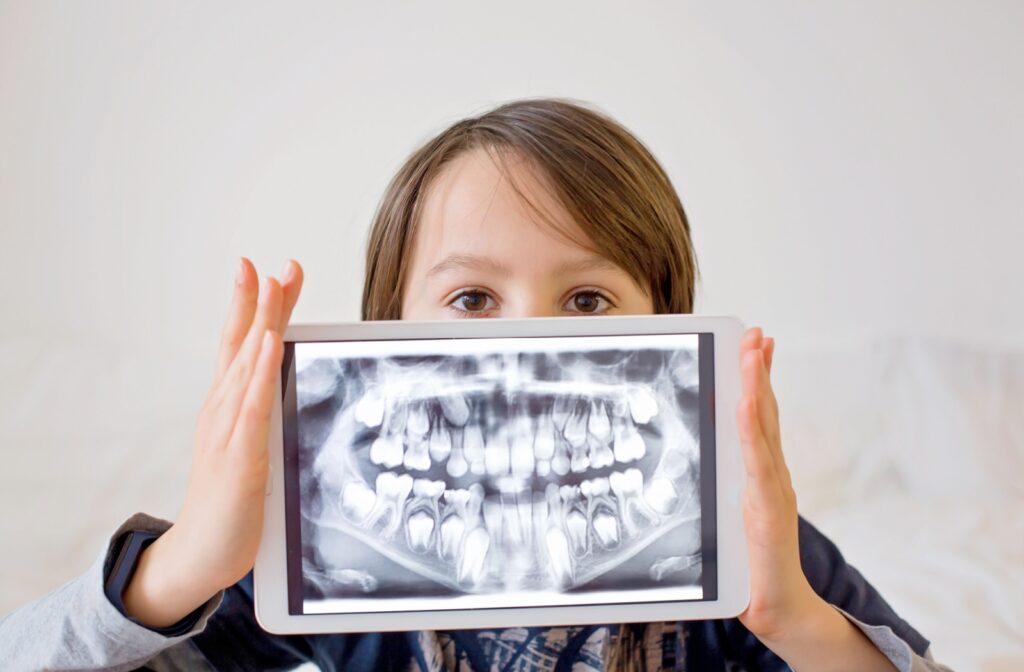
<point>908,454</point>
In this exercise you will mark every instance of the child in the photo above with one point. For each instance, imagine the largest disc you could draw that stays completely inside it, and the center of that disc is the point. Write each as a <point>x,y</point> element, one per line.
<point>537,208</point>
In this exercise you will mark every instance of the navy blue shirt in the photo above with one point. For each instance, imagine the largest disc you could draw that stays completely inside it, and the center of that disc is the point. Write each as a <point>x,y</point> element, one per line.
<point>233,640</point>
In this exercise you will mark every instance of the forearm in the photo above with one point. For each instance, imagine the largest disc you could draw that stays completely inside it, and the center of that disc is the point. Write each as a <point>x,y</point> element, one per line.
<point>825,641</point>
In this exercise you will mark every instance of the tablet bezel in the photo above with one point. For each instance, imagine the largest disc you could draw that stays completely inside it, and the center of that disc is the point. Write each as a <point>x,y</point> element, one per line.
<point>270,572</point>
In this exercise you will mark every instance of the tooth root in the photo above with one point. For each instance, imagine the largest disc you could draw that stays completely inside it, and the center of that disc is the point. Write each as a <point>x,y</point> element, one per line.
<point>642,405</point>
<point>455,409</point>
<point>559,557</point>
<point>418,423</point>
<point>599,425</point>
<point>661,495</point>
<point>576,526</point>
<point>511,523</point>
<point>420,531</point>
<point>357,501</point>
<point>440,443</point>
<point>474,555</point>
<point>606,529</point>
<point>496,457</point>
<point>493,517</point>
<point>416,457</point>
<point>575,432</point>
<point>370,409</point>
<point>452,529</point>
<point>387,451</point>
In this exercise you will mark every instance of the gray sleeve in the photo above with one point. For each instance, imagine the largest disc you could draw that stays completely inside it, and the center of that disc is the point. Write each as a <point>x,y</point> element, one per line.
<point>76,626</point>
<point>895,649</point>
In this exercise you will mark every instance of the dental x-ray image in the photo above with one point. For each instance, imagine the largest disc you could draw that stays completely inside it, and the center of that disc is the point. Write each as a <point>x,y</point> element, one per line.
<point>497,472</point>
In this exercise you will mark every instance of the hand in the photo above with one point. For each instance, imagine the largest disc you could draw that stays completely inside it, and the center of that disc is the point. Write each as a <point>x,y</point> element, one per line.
<point>784,611</point>
<point>214,541</point>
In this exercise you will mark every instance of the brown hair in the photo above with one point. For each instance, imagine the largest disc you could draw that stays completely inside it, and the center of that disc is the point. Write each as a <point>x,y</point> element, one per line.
<point>606,179</point>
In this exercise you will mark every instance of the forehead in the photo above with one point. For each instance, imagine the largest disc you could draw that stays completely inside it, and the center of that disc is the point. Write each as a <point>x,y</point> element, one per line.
<point>471,208</point>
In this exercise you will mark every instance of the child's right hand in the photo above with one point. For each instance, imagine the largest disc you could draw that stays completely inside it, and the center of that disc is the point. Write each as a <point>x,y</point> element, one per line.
<point>213,542</point>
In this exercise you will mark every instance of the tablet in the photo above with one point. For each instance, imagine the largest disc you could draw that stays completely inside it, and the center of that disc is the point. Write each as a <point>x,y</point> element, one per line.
<point>467,474</point>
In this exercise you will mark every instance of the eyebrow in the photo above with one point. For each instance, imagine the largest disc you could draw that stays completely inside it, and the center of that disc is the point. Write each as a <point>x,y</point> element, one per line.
<point>472,261</point>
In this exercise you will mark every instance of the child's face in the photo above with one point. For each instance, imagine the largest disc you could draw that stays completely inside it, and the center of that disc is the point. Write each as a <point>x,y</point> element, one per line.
<point>480,253</point>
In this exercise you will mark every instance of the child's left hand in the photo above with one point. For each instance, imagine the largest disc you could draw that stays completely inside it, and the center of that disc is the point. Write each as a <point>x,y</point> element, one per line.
<point>784,613</point>
<point>780,595</point>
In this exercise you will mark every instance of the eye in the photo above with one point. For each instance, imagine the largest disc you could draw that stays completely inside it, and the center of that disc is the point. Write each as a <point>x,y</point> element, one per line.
<point>588,301</point>
<point>472,301</point>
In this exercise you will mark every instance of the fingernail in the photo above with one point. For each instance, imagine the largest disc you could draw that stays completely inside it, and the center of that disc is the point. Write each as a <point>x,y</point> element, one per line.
<point>240,274</point>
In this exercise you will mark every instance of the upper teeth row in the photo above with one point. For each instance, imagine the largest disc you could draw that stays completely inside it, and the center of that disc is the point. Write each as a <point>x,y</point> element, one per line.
<point>576,435</point>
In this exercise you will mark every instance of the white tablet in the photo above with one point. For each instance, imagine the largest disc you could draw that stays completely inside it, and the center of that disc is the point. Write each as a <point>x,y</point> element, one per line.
<point>494,473</point>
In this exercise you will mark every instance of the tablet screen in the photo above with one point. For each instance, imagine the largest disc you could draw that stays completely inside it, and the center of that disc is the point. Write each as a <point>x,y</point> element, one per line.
<point>477,473</point>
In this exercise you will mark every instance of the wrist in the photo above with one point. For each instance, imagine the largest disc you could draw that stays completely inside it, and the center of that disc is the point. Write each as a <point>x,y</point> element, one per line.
<point>820,638</point>
<point>163,590</point>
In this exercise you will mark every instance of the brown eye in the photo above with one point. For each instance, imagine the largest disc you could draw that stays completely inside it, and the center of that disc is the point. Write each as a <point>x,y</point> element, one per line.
<point>471,302</point>
<point>588,302</point>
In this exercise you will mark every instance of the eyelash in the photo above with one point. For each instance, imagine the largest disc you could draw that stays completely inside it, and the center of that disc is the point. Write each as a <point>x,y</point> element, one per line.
<point>473,313</point>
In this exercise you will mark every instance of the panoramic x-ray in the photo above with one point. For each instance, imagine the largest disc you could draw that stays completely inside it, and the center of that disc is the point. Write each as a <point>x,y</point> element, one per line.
<point>497,472</point>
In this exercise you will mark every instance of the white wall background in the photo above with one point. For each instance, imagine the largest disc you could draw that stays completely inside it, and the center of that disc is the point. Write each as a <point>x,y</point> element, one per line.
<point>852,171</point>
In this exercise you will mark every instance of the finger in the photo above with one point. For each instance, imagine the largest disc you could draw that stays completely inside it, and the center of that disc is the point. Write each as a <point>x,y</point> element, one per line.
<point>236,380</point>
<point>243,307</point>
<point>751,340</point>
<point>769,352</point>
<point>755,376</point>
<point>250,434</point>
<point>768,412</point>
<point>762,479</point>
<point>291,283</point>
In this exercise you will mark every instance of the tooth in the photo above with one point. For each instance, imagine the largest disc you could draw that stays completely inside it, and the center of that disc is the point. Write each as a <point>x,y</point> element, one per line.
<point>629,445</point>
<point>473,445</point>
<point>521,450</point>
<point>601,455</point>
<point>606,529</point>
<point>561,409</point>
<point>642,405</point>
<point>418,423</point>
<point>419,531</point>
<point>599,425</point>
<point>543,467</point>
<point>558,554</point>
<point>492,517</point>
<point>576,526</point>
<point>594,487</point>
<point>370,409</point>
<point>392,491</point>
<point>544,443</point>
<point>440,443</point>
<point>416,457</point>
<point>496,457</point>
<point>661,495</point>
<point>474,553</point>
<point>628,488</point>
<point>560,462</point>
<point>357,501</point>
<point>580,459</point>
<point>511,522</point>
<point>386,450</point>
<point>457,465</point>
<point>576,427</point>
<point>452,528</point>
<point>455,409</point>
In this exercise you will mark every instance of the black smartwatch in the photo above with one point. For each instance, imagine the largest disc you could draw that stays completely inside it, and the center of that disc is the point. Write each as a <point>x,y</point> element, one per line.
<point>127,551</point>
